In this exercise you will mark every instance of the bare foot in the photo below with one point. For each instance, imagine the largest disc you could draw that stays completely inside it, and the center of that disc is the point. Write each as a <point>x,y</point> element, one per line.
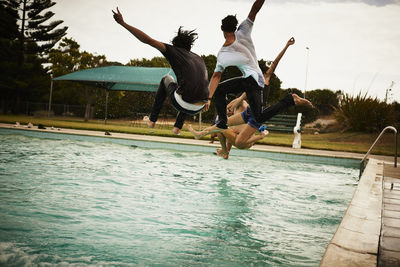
<point>150,123</point>
<point>298,101</point>
<point>222,153</point>
<point>212,139</point>
<point>196,134</point>
<point>176,131</point>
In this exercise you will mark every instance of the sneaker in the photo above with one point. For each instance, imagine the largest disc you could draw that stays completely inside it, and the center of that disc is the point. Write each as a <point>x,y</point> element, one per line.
<point>149,123</point>
<point>176,131</point>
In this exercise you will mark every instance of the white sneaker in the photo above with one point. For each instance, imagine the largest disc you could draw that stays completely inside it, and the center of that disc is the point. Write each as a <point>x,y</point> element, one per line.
<point>176,131</point>
<point>149,123</point>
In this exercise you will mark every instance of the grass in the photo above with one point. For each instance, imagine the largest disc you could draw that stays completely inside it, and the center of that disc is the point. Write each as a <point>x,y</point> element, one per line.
<point>349,141</point>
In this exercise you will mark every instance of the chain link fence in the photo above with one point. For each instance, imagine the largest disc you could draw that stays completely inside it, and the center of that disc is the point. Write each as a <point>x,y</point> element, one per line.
<point>63,110</point>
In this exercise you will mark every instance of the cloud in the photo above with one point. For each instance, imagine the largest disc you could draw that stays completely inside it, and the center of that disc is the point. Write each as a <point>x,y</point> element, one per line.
<point>381,2</point>
<point>353,44</point>
<point>368,2</point>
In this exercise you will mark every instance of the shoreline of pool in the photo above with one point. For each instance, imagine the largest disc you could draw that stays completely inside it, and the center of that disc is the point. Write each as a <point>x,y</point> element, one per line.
<point>356,241</point>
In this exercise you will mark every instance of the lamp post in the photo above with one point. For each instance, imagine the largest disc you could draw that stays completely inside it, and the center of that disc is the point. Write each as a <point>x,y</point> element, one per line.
<point>305,84</point>
<point>388,90</point>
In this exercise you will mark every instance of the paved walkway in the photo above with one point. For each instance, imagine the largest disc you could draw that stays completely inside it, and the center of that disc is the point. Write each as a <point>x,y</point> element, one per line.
<point>389,249</point>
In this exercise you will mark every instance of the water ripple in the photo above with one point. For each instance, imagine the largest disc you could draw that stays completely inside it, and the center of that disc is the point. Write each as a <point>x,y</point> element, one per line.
<point>79,203</point>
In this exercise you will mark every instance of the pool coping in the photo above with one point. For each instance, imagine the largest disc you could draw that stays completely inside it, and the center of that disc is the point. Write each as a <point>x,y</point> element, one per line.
<point>203,143</point>
<point>356,241</point>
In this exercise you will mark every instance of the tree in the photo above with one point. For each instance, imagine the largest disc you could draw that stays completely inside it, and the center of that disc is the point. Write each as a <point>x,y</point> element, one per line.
<point>326,101</point>
<point>89,60</point>
<point>160,62</point>
<point>211,62</point>
<point>28,41</point>
<point>68,58</point>
<point>8,55</point>
<point>275,90</point>
<point>64,60</point>
<point>33,28</point>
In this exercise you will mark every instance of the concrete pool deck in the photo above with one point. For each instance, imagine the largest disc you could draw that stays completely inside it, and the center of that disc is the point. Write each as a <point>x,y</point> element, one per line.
<point>369,234</point>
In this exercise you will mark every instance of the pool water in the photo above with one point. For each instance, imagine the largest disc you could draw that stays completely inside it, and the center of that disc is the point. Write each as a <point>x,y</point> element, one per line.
<point>69,202</point>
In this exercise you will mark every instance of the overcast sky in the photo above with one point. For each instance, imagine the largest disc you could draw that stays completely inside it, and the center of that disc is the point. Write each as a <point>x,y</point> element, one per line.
<point>354,44</point>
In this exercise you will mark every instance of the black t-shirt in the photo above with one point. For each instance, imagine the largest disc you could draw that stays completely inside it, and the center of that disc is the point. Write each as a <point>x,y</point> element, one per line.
<point>190,72</point>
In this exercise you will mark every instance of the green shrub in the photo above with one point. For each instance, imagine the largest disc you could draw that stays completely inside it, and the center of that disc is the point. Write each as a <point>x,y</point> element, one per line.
<point>364,114</point>
<point>326,101</point>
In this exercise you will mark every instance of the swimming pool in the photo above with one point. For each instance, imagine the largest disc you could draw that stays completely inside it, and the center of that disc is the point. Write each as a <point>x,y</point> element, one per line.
<point>100,203</point>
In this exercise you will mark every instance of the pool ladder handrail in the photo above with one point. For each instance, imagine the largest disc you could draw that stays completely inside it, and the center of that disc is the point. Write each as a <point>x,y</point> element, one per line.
<point>362,163</point>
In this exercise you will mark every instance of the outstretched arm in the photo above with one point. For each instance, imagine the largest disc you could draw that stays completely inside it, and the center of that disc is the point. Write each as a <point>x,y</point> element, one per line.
<point>199,134</point>
<point>235,103</point>
<point>255,8</point>
<point>141,36</point>
<point>215,79</point>
<point>233,120</point>
<point>268,73</point>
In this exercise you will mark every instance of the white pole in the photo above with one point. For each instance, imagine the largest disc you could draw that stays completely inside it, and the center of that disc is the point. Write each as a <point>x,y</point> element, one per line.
<point>200,121</point>
<point>305,84</point>
<point>51,93</point>
<point>105,117</point>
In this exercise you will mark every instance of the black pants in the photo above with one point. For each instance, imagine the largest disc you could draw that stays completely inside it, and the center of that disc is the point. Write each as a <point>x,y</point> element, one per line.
<point>161,95</point>
<point>254,95</point>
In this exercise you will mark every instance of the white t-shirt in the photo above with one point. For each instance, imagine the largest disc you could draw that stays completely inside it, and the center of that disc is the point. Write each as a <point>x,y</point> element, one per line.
<point>241,53</point>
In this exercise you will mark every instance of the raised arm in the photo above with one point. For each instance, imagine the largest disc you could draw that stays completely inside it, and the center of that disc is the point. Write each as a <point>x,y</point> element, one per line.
<point>268,73</point>
<point>215,79</point>
<point>141,36</point>
<point>235,103</point>
<point>255,8</point>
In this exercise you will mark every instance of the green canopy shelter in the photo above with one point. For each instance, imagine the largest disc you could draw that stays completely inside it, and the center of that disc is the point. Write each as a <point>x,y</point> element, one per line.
<point>119,78</point>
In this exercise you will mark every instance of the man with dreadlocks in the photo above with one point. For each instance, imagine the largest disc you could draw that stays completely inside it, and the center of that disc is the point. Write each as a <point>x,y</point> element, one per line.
<point>190,93</point>
<point>238,50</point>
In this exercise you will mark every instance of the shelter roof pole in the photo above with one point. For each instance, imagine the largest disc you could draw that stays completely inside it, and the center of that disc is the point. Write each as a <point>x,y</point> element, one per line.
<point>105,118</point>
<point>51,93</point>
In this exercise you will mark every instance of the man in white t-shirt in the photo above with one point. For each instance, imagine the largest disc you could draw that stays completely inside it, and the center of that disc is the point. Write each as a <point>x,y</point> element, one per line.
<point>238,50</point>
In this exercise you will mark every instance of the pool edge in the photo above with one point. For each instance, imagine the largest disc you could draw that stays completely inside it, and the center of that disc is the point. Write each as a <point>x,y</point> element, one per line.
<point>347,159</point>
<point>356,241</point>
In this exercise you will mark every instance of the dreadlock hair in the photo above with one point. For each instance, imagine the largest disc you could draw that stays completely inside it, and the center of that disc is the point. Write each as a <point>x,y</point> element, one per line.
<point>229,23</point>
<point>184,39</point>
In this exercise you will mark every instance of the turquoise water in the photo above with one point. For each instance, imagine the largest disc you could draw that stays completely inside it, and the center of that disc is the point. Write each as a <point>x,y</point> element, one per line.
<point>68,202</point>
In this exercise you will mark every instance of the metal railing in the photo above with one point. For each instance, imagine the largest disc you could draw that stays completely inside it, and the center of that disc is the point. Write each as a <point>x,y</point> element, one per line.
<point>363,161</point>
